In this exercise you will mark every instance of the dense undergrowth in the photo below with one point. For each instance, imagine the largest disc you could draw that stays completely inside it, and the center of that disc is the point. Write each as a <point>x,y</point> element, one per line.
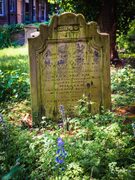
<point>94,147</point>
<point>99,146</point>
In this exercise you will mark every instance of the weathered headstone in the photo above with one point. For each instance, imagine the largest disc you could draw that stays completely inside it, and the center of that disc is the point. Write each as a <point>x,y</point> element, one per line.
<point>68,59</point>
<point>30,31</point>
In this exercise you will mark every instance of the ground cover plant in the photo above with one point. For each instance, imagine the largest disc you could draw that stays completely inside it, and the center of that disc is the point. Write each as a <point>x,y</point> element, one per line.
<point>92,147</point>
<point>99,147</point>
<point>123,86</point>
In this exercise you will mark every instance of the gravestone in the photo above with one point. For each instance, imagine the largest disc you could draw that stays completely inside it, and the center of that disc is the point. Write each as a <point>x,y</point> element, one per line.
<point>68,59</point>
<point>30,31</point>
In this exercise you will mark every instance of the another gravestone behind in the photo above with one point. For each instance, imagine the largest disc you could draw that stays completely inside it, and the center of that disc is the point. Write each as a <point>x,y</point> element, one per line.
<point>68,59</point>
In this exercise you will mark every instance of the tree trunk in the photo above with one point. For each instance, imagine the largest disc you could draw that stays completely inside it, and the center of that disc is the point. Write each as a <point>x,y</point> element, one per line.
<point>107,23</point>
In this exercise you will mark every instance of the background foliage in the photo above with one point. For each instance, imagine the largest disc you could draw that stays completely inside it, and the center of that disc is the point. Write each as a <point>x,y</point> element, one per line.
<point>6,32</point>
<point>92,9</point>
<point>126,42</point>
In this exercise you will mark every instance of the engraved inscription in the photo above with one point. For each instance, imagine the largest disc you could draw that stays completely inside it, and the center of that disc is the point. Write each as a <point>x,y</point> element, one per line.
<point>96,55</point>
<point>70,73</point>
<point>47,63</point>
<point>62,53</point>
<point>47,57</point>
<point>62,60</point>
<point>68,28</point>
<point>79,52</point>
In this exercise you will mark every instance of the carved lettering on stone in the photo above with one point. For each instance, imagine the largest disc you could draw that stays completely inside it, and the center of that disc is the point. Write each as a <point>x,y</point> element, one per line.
<point>62,60</point>
<point>68,28</point>
<point>96,55</point>
<point>79,52</point>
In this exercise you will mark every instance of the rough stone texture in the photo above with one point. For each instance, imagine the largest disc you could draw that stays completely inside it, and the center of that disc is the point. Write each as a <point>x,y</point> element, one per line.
<point>68,59</point>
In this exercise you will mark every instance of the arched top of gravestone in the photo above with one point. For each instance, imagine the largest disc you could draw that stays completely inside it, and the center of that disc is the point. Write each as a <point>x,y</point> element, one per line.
<point>68,22</point>
<point>67,19</point>
<point>67,27</point>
